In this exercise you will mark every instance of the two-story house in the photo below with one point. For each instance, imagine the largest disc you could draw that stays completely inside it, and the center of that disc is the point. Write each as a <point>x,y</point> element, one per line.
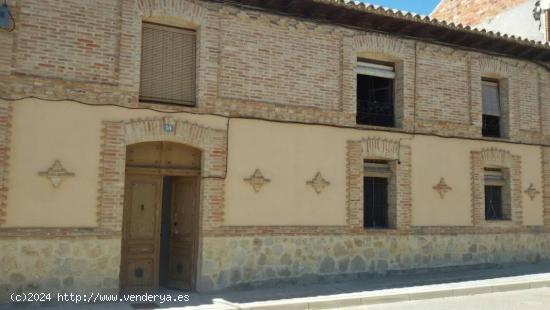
<point>204,144</point>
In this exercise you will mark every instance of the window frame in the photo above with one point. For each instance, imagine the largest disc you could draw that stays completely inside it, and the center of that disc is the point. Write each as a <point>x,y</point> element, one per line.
<point>176,29</point>
<point>498,211</point>
<point>497,178</point>
<point>381,169</point>
<point>488,118</point>
<point>381,65</point>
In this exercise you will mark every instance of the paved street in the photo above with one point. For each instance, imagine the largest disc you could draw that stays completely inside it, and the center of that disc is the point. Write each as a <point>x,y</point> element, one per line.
<point>337,294</point>
<point>532,299</point>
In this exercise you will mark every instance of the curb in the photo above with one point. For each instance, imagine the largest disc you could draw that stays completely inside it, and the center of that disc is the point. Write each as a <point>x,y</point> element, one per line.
<point>387,296</point>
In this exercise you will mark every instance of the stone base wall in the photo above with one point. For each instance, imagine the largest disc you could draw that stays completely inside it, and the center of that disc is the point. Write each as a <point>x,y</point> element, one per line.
<point>92,265</point>
<point>229,261</point>
<point>59,265</point>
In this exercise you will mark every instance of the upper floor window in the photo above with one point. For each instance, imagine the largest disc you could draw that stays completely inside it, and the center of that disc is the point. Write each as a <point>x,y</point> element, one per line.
<point>167,65</point>
<point>375,93</point>
<point>492,109</point>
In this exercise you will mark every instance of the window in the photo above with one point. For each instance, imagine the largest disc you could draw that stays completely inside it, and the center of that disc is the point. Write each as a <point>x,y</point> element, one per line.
<point>167,65</point>
<point>491,109</point>
<point>495,184</point>
<point>375,195</point>
<point>375,93</point>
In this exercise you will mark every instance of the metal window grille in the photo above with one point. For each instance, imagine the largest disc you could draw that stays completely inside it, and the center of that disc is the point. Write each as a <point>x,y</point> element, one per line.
<point>375,194</point>
<point>168,65</point>
<point>375,197</point>
<point>375,94</point>
<point>494,183</point>
<point>493,202</point>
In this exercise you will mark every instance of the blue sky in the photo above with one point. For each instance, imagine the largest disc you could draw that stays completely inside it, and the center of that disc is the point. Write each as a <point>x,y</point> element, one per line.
<point>423,7</point>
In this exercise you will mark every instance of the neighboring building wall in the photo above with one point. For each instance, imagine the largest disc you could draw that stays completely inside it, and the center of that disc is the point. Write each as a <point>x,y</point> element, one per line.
<point>471,12</point>
<point>303,74</point>
<point>523,18</point>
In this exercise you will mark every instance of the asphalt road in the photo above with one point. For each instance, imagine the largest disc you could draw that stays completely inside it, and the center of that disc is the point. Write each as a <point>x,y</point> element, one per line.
<point>532,299</point>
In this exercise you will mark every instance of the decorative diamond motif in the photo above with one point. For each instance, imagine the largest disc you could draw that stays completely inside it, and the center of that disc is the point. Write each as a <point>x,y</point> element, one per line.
<point>318,183</point>
<point>257,180</point>
<point>532,191</point>
<point>442,188</point>
<point>56,173</point>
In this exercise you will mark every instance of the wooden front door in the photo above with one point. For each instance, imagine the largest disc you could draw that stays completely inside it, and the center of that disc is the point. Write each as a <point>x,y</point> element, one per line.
<point>183,232</point>
<point>141,237</point>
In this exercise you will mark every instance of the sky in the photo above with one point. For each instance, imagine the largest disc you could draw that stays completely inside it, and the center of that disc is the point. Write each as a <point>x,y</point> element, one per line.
<point>424,7</point>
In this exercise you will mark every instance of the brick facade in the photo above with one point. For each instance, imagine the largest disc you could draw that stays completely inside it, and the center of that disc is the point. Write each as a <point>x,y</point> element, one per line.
<point>265,66</point>
<point>471,12</point>
<point>419,67</point>
<point>5,135</point>
<point>437,88</point>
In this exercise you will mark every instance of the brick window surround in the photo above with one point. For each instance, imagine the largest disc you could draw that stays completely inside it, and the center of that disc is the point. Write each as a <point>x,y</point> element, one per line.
<point>6,111</point>
<point>503,73</point>
<point>399,157</point>
<point>511,165</point>
<point>383,48</point>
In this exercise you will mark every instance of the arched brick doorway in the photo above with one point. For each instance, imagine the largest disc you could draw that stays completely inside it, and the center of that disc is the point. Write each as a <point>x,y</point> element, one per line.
<point>209,141</point>
<point>160,217</point>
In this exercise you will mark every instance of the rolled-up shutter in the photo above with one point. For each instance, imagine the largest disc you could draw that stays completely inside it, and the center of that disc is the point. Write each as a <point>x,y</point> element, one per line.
<point>491,98</point>
<point>167,65</point>
<point>383,71</point>
<point>379,169</point>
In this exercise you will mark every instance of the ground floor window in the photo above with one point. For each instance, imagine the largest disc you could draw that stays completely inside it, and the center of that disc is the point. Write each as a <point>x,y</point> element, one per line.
<point>495,188</point>
<point>493,202</point>
<point>376,188</point>
<point>375,202</point>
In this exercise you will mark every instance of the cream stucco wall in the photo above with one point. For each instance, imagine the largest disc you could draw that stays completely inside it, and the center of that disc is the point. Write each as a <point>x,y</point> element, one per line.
<point>46,131</point>
<point>287,154</point>
<point>434,158</point>
<point>290,154</point>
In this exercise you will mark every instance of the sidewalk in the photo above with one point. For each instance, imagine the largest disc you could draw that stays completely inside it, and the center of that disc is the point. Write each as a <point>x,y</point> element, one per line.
<point>360,291</point>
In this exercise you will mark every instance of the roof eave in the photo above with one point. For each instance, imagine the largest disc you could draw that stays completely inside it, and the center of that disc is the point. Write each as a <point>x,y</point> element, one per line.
<point>370,18</point>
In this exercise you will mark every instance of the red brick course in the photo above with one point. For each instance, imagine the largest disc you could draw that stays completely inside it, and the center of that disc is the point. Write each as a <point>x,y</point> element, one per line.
<point>471,12</point>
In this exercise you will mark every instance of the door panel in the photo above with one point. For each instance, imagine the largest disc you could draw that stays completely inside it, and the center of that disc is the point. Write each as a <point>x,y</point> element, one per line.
<point>183,232</point>
<point>140,241</point>
<point>143,210</point>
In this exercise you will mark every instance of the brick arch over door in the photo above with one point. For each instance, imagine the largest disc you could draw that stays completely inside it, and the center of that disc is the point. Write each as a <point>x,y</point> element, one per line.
<point>117,135</point>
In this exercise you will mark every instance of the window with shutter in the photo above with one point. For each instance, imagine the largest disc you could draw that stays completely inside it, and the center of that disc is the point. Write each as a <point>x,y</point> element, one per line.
<point>375,93</point>
<point>495,183</point>
<point>375,194</point>
<point>167,65</point>
<point>491,109</point>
